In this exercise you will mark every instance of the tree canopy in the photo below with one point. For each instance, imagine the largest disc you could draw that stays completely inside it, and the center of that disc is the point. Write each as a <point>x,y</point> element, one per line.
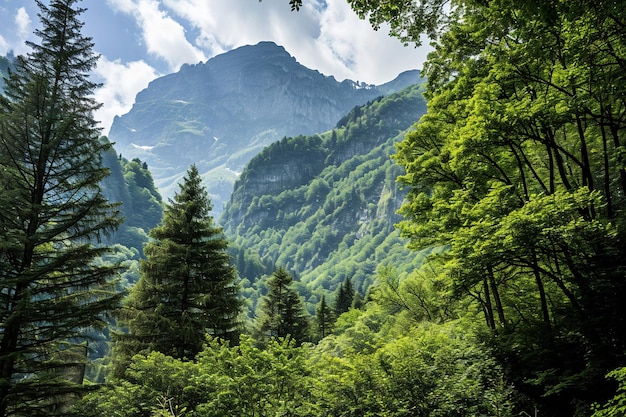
<point>517,168</point>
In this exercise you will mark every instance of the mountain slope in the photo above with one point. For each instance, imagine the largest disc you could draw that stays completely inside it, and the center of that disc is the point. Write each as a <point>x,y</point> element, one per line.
<point>221,113</point>
<point>6,64</point>
<point>130,183</point>
<point>324,206</point>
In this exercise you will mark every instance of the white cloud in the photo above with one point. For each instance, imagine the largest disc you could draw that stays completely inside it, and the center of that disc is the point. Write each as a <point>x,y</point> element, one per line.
<point>23,23</point>
<point>164,37</point>
<point>331,39</point>
<point>121,83</point>
<point>17,29</point>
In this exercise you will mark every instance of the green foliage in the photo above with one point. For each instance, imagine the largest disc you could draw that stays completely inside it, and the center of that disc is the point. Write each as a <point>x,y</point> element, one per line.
<point>187,286</point>
<point>410,370</point>
<point>343,297</point>
<point>281,312</point>
<point>241,380</point>
<point>429,371</point>
<point>145,206</point>
<point>53,217</point>
<point>131,184</point>
<point>324,206</point>
<point>323,318</point>
<point>616,406</point>
<point>517,170</point>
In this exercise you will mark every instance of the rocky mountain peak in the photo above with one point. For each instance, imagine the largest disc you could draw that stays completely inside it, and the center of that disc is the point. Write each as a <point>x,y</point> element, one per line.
<point>221,113</point>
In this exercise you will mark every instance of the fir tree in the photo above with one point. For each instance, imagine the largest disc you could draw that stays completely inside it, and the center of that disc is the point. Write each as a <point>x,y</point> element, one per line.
<point>53,294</point>
<point>282,311</point>
<point>187,286</point>
<point>344,297</point>
<point>323,318</point>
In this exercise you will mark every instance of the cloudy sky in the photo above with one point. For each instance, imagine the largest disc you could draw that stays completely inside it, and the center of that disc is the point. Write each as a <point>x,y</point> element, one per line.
<point>139,40</point>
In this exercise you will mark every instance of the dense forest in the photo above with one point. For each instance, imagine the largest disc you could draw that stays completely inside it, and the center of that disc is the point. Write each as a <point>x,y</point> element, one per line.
<point>514,189</point>
<point>324,206</point>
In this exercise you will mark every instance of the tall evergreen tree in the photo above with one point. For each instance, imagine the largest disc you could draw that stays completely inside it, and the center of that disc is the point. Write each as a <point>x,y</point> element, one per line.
<point>187,286</point>
<point>282,311</point>
<point>344,297</point>
<point>323,318</point>
<point>52,211</point>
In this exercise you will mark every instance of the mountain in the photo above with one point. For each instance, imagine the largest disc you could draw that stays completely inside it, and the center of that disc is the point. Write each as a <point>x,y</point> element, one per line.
<point>130,183</point>
<point>324,206</point>
<point>6,63</point>
<point>221,113</point>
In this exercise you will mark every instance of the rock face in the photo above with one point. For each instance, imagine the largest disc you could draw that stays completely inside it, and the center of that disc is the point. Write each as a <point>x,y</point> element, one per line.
<point>221,113</point>
<point>323,206</point>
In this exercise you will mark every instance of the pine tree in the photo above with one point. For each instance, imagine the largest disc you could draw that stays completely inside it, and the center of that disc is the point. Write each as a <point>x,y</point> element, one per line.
<point>282,311</point>
<point>344,297</point>
<point>52,212</point>
<point>323,318</point>
<point>186,287</point>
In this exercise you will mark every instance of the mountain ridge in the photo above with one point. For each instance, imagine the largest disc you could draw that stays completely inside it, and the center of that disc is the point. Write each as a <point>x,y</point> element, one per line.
<point>324,206</point>
<point>221,113</point>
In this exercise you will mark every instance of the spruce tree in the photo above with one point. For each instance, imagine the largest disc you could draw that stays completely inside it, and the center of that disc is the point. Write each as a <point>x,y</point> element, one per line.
<point>187,285</point>
<point>282,311</point>
<point>344,297</point>
<point>52,214</point>
<point>323,318</point>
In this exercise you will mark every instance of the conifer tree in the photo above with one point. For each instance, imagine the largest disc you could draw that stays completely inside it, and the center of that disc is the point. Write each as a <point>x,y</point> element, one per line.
<point>52,214</point>
<point>323,318</point>
<point>282,311</point>
<point>344,297</point>
<point>187,285</point>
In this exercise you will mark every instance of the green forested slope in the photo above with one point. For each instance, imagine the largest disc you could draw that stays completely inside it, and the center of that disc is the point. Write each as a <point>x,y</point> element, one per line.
<point>131,184</point>
<point>324,206</point>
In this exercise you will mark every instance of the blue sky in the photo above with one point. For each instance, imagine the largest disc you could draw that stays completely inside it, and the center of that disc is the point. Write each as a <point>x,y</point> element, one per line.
<point>140,40</point>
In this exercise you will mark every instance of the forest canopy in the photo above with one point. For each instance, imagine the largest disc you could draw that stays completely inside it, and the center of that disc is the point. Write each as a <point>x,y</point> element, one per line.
<point>515,183</point>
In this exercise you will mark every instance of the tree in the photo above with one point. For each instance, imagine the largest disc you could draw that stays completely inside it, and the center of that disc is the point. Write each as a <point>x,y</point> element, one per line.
<point>186,287</point>
<point>323,318</point>
<point>518,170</point>
<point>53,295</point>
<point>282,312</point>
<point>617,405</point>
<point>344,297</point>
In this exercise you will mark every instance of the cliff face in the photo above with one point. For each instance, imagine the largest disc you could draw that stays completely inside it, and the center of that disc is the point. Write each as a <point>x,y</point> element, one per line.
<point>324,206</point>
<point>221,113</point>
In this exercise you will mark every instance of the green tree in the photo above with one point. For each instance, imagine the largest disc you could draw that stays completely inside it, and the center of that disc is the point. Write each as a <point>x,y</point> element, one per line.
<point>518,170</point>
<point>323,318</point>
<point>53,212</point>
<point>282,312</point>
<point>242,380</point>
<point>343,297</point>
<point>616,406</point>
<point>186,287</point>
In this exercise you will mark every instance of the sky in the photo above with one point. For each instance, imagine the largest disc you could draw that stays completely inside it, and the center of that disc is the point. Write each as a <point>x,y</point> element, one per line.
<point>140,40</point>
